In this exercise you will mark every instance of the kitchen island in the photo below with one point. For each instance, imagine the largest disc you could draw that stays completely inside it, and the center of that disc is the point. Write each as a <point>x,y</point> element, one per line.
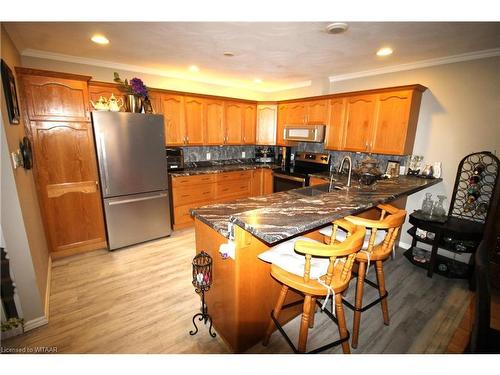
<point>243,292</point>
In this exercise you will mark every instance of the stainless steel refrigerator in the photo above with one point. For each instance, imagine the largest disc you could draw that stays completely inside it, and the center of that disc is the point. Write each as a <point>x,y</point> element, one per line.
<point>133,174</point>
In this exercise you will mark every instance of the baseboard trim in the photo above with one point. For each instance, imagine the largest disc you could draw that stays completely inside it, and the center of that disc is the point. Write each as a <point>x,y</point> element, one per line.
<point>47,288</point>
<point>35,323</point>
<point>404,245</point>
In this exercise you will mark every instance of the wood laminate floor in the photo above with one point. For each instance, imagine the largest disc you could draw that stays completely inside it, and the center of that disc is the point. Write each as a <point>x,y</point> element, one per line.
<point>140,300</point>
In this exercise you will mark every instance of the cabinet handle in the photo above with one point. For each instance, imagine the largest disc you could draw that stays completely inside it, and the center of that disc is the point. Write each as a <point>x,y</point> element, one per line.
<point>187,139</point>
<point>205,193</point>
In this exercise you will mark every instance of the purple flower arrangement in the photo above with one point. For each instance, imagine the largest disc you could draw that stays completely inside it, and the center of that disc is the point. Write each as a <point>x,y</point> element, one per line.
<point>134,87</point>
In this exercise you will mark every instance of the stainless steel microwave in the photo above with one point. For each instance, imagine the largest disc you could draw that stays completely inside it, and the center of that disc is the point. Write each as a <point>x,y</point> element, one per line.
<point>305,133</point>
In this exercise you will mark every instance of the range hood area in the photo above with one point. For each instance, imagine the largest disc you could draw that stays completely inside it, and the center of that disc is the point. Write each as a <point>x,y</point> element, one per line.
<point>304,133</point>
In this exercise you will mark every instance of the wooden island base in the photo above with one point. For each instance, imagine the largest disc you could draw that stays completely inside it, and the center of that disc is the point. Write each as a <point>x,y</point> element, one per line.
<point>243,293</point>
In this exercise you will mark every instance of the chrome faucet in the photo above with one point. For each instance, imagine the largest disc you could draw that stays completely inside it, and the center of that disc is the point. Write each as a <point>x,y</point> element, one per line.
<point>348,158</point>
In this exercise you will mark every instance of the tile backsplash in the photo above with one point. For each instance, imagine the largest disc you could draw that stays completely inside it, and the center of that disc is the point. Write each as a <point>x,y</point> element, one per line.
<point>194,154</point>
<point>218,153</point>
<point>336,156</point>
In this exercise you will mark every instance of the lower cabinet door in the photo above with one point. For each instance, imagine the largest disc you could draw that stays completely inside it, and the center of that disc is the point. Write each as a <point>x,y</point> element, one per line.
<point>137,218</point>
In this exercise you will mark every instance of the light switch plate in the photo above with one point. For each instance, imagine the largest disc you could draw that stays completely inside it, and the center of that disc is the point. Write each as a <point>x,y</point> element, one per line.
<point>243,154</point>
<point>208,156</point>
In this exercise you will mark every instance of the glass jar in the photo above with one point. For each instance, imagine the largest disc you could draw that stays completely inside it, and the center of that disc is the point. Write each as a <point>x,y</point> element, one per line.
<point>438,209</point>
<point>427,204</point>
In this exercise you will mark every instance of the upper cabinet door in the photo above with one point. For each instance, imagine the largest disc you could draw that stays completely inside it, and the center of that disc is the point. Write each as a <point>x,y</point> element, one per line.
<point>336,123</point>
<point>173,119</point>
<point>97,89</point>
<point>360,116</point>
<point>156,98</point>
<point>392,123</point>
<point>267,120</point>
<point>234,123</point>
<point>195,127</point>
<point>56,99</point>
<point>214,113</point>
<point>249,124</point>
<point>282,120</point>
<point>296,113</point>
<point>317,112</point>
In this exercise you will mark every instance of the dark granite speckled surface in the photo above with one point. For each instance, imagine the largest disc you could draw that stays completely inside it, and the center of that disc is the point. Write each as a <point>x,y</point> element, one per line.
<point>279,216</point>
<point>222,168</point>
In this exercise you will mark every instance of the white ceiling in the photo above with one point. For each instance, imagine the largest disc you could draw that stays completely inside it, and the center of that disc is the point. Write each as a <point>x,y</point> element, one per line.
<point>282,54</point>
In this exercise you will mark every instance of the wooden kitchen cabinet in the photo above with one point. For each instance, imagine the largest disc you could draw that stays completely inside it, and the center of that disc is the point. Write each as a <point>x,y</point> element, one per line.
<point>214,116</point>
<point>360,112</point>
<point>173,118</point>
<point>335,124</point>
<point>156,100</point>
<point>282,120</point>
<point>296,113</point>
<point>233,112</point>
<point>194,119</point>
<point>249,123</point>
<point>317,112</point>
<point>396,122</point>
<point>267,181</point>
<point>65,167</point>
<point>267,121</point>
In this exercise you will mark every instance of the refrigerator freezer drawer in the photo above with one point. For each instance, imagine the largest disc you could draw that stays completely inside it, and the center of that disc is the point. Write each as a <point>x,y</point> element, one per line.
<point>137,218</point>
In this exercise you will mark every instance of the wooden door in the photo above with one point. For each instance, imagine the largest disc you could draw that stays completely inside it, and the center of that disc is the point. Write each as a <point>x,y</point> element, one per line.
<point>296,113</point>
<point>233,122</point>
<point>55,99</point>
<point>317,112</point>
<point>282,120</point>
<point>267,181</point>
<point>194,117</point>
<point>173,119</point>
<point>98,89</point>
<point>336,123</point>
<point>214,114</point>
<point>360,115</point>
<point>249,123</point>
<point>267,120</point>
<point>66,173</point>
<point>392,123</point>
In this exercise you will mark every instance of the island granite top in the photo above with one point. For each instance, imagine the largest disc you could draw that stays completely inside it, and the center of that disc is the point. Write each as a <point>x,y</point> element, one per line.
<point>279,216</point>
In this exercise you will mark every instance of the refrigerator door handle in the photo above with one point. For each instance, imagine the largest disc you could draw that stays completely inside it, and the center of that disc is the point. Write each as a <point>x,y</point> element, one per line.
<point>104,163</point>
<point>137,199</point>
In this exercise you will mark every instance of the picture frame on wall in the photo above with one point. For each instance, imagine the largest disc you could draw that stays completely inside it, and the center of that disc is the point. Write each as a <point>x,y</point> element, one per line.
<point>10,93</point>
<point>392,168</point>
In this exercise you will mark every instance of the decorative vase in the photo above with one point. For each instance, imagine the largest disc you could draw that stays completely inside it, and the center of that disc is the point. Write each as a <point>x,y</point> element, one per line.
<point>134,103</point>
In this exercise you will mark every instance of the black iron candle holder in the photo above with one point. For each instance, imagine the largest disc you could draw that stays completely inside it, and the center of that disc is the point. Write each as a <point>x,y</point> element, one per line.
<point>202,279</point>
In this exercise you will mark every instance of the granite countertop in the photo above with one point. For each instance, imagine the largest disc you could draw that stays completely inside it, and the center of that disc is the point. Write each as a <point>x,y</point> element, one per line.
<point>279,216</point>
<point>222,168</point>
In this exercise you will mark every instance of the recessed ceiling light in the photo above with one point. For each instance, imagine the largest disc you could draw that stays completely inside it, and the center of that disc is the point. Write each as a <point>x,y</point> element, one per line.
<point>99,39</point>
<point>385,51</point>
<point>336,28</point>
<point>228,53</point>
<point>194,68</point>
<point>257,80</point>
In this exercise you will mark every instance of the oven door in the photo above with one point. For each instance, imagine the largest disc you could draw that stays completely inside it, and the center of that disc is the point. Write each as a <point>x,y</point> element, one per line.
<point>283,182</point>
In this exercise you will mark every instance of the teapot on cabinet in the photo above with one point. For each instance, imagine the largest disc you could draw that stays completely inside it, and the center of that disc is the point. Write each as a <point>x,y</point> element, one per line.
<point>101,104</point>
<point>115,104</point>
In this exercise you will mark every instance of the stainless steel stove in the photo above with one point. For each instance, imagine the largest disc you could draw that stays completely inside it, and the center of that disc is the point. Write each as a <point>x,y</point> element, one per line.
<point>297,176</point>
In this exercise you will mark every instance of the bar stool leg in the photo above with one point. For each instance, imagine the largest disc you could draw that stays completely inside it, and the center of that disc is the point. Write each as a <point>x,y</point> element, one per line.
<point>276,313</point>
<point>339,309</point>
<point>304,324</point>
<point>381,290</point>
<point>358,303</point>
<point>313,312</point>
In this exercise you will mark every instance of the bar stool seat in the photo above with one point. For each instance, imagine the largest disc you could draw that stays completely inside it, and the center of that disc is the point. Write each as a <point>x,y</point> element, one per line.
<point>322,269</point>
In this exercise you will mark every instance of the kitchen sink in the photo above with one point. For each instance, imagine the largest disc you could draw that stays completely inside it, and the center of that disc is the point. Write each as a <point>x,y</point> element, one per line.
<point>313,191</point>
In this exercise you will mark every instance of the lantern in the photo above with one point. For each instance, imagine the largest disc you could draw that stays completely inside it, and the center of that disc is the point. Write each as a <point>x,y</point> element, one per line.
<point>202,279</point>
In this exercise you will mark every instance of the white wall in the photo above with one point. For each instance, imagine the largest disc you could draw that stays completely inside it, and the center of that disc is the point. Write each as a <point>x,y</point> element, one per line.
<point>459,114</point>
<point>16,239</point>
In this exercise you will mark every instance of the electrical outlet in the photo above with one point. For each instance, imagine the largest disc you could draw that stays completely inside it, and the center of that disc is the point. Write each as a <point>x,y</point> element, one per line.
<point>243,153</point>
<point>208,156</point>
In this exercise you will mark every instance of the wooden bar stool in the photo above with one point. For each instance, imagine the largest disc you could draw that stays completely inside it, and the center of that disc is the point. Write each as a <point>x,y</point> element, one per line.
<point>324,269</point>
<point>374,252</point>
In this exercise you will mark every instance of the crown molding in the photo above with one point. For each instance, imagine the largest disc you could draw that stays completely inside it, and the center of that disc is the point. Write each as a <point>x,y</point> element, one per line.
<point>418,64</point>
<point>158,72</point>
